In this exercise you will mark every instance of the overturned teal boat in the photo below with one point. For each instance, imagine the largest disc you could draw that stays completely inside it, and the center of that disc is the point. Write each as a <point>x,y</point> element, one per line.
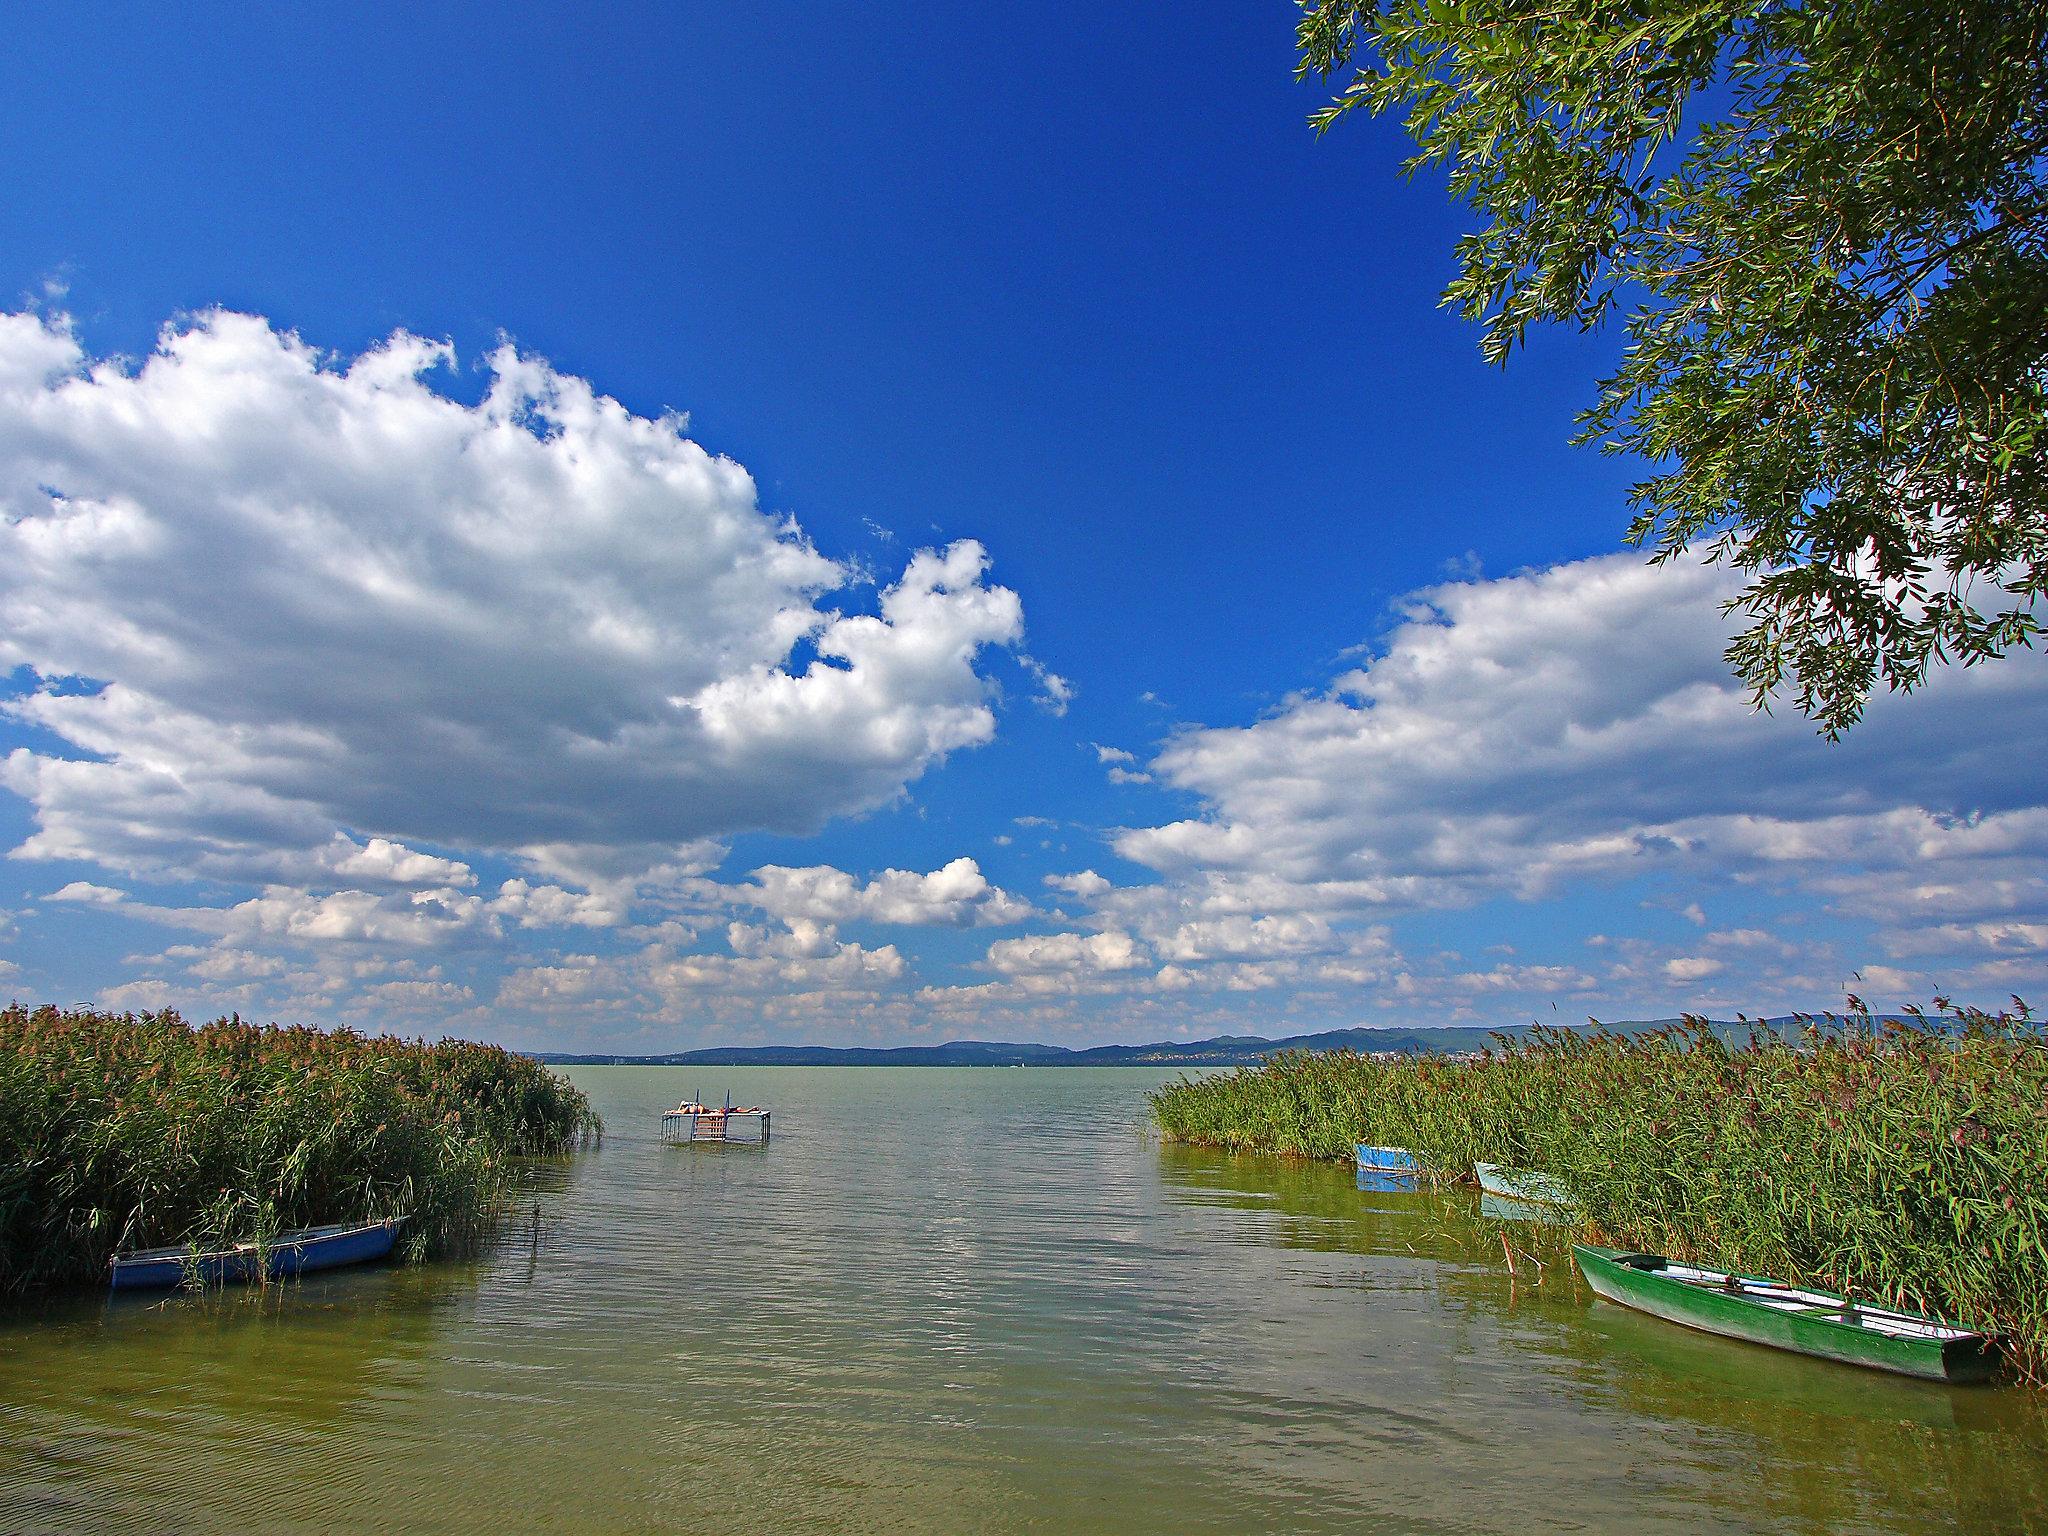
<point>1808,1322</point>
<point>1523,1186</point>
<point>1499,1208</point>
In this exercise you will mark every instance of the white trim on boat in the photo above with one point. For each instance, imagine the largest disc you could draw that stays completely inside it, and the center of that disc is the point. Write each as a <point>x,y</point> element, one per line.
<point>1786,1298</point>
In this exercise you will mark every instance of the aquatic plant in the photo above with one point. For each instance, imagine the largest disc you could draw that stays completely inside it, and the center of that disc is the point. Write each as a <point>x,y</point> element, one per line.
<point>1907,1162</point>
<point>126,1130</point>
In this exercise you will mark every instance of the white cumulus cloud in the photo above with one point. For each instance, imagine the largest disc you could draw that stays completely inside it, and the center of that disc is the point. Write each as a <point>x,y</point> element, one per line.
<point>1052,953</point>
<point>1579,722</point>
<point>1085,884</point>
<point>382,859</point>
<point>957,894</point>
<point>85,891</point>
<point>271,598</point>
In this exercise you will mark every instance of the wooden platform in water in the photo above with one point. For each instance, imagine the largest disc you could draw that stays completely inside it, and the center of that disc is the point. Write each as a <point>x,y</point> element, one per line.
<point>694,1122</point>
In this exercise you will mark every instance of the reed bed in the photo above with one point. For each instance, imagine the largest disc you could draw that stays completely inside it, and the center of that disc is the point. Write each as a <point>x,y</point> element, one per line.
<point>1909,1163</point>
<point>126,1130</point>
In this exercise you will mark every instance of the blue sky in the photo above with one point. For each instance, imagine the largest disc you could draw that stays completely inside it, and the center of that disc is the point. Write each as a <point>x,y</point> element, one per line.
<point>1287,636</point>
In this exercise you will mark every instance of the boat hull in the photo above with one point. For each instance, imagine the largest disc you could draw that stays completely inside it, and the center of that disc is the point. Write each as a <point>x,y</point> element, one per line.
<point>1632,1280</point>
<point>1500,1208</point>
<point>293,1253</point>
<point>1522,1186</point>
<point>1388,1160</point>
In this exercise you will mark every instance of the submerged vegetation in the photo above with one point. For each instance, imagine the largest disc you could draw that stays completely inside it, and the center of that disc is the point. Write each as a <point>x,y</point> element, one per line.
<point>123,1130</point>
<point>1901,1162</point>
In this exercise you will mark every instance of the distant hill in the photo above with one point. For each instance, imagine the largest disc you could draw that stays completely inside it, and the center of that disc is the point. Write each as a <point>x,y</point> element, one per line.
<point>1221,1051</point>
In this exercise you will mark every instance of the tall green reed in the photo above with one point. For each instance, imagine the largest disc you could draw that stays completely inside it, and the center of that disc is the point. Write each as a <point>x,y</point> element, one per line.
<point>122,1130</point>
<point>1909,1163</point>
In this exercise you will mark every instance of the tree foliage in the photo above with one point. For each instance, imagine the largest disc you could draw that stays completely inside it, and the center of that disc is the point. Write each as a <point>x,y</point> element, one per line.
<point>1827,226</point>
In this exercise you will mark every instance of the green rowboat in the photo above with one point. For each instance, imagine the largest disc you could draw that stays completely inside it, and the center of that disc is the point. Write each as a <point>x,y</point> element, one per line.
<point>1789,1317</point>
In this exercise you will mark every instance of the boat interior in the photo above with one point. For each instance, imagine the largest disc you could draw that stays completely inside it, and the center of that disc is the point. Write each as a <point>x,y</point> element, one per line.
<point>282,1240</point>
<point>1787,1298</point>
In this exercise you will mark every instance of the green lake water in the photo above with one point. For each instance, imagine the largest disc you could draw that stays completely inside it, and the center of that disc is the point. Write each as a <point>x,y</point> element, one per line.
<point>955,1301</point>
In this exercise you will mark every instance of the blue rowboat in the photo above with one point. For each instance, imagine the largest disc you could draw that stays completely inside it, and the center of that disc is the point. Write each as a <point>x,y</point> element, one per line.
<point>289,1253</point>
<point>1523,1186</point>
<point>1387,1160</point>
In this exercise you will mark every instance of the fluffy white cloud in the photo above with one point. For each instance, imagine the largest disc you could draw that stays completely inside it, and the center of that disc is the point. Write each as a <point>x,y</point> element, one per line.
<point>314,629</point>
<point>1690,968</point>
<point>1246,938</point>
<point>1516,737</point>
<point>1055,953</point>
<point>803,939</point>
<point>271,597</point>
<point>85,891</point>
<point>382,859</point>
<point>290,916</point>
<point>1580,721</point>
<point>836,967</point>
<point>142,996</point>
<point>414,919</point>
<point>1984,938</point>
<point>1085,884</point>
<point>415,996</point>
<point>549,906</point>
<point>957,894</point>
<point>1055,693</point>
<point>550,986</point>
<point>229,964</point>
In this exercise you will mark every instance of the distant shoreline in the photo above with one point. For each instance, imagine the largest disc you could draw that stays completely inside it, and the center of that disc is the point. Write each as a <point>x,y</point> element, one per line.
<point>553,1059</point>
<point>1221,1051</point>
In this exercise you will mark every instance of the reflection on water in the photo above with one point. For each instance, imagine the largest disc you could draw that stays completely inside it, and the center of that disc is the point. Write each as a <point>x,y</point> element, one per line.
<point>1378,1181</point>
<point>966,1300</point>
<point>1501,1208</point>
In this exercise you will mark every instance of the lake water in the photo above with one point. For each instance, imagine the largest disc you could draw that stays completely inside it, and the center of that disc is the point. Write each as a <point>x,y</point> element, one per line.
<point>955,1301</point>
